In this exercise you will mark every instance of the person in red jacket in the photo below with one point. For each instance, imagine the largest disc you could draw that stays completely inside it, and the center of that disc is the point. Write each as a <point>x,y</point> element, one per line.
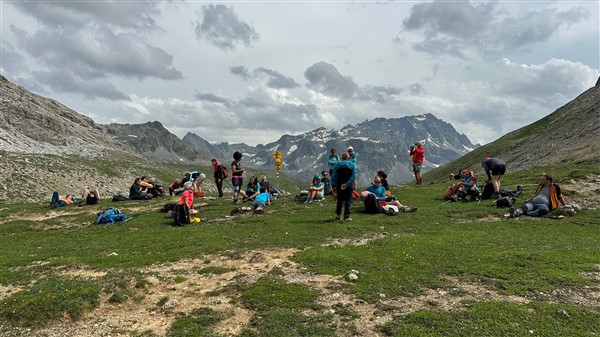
<point>418,155</point>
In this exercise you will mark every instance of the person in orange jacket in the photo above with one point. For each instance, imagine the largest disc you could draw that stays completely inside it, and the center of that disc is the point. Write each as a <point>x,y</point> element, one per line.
<point>546,198</point>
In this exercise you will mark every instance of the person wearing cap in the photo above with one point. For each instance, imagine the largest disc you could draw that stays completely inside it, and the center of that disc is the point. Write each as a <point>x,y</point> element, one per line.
<point>495,169</point>
<point>417,152</point>
<point>316,190</point>
<point>546,199</point>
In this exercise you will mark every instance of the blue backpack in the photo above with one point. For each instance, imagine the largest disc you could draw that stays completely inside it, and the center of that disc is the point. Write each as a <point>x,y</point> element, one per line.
<point>109,216</point>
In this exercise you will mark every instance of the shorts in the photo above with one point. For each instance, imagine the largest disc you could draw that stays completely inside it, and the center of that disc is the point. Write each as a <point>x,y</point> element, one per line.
<point>237,181</point>
<point>258,204</point>
<point>91,199</point>
<point>499,170</point>
<point>417,167</point>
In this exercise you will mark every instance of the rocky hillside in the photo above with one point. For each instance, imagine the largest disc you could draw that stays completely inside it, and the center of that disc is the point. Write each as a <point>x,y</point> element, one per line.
<point>570,135</point>
<point>30,123</point>
<point>153,141</point>
<point>380,143</point>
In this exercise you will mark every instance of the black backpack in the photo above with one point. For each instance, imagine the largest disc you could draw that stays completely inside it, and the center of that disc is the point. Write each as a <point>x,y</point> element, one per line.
<point>487,191</point>
<point>505,202</point>
<point>372,205</point>
<point>182,215</point>
<point>119,197</point>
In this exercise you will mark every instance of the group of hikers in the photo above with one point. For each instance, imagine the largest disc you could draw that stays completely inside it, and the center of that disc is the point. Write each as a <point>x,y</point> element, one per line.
<point>340,183</point>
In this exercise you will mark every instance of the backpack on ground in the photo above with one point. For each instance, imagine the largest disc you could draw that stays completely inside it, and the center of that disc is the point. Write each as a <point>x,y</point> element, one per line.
<point>224,172</point>
<point>109,216</point>
<point>487,191</point>
<point>450,191</point>
<point>168,207</point>
<point>505,202</point>
<point>372,205</point>
<point>182,215</point>
<point>119,197</point>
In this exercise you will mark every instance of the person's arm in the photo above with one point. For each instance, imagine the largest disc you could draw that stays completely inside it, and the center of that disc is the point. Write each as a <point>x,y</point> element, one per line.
<point>560,196</point>
<point>351,180</point>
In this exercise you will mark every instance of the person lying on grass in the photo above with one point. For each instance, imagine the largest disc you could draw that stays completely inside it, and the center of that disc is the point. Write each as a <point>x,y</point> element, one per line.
<point>546,199</point>
<point>260,202</point>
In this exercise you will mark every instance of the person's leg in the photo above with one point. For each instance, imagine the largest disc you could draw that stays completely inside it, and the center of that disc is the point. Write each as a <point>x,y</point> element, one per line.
<point>310,196</point>
<point>338,205</point>
<point>54,199</point>
<point>539,210</point>
<point>347,203</point>
<point>84,195</point>
<point>496,183</point>
<point>219,184</point>
<point>515,212</point>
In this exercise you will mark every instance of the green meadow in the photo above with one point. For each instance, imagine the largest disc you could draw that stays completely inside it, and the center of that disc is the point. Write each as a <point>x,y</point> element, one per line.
<point>449,269</point>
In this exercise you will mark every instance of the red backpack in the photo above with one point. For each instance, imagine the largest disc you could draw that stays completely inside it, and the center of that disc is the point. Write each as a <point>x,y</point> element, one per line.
<point>224,172</point>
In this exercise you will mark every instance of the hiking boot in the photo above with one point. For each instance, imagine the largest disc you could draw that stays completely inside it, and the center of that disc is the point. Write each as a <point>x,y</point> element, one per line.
<point>514,212</point>
<point>338,217</point>
<point>409,209</point>
<point>310,201</point>
<point>454,198</point>
<point>468,198</point>
<point>495,195</point>
<point>348,219</point>
<point>235,211</point>
<point>237,202</point>
<point>391,211</point>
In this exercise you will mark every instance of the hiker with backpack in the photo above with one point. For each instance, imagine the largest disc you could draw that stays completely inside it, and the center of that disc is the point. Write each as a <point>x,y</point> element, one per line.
<point>495,169</point>
<point>219,173</point>
<point>260,202</point>
<point>546,199</point>
<point>375,200</point>
<point>388,193</point>
<point>342,182</point>
<point>237,179</point>
<point>417,152</point>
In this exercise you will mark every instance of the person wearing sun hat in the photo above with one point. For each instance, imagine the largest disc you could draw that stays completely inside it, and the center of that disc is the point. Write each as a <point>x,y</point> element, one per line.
<point>316,190</point>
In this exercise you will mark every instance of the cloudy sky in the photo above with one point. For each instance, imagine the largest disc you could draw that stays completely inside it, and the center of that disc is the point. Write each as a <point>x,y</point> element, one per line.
<point>252,71</point>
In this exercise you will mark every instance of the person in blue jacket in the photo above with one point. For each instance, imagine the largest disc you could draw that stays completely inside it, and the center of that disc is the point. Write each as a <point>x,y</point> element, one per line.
<point>342,182</point>
<point>379,191</point>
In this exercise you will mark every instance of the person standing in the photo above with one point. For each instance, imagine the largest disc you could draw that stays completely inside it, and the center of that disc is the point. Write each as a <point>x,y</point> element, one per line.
<point>342,180</point>
<point>417,152</point>
<point>237,180</point>
<point>495,169</point>
<point>218,175</point>
<point>332,160</point>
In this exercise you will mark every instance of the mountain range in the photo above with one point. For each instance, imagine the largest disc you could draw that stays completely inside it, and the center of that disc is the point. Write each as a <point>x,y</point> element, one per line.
<point>381,143</point>
<point>46,146</point>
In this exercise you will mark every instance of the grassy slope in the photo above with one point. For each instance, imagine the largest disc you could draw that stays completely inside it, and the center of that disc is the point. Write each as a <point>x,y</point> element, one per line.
<point>472,242</point>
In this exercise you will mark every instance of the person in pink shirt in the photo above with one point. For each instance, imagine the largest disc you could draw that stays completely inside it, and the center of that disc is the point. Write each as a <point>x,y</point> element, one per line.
<point>187,197</point>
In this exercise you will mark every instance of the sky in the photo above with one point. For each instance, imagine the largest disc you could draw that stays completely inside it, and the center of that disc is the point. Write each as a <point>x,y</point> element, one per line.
<point>252,71</point>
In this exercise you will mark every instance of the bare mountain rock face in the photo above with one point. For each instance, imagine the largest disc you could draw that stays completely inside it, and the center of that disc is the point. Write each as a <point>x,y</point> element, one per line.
<point>381,143</point>
<point>153,141</point>
<point>46,147</point>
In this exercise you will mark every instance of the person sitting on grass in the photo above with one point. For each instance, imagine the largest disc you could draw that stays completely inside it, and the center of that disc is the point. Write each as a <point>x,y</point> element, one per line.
<point>326,180</point>
<point>90,197</point>
<point>187,197</point>
<point>252,189</point>
<point>137,192</point>
<point>379,192</point>
<point>315,191</point>
<point>468,188</point>
<point>260,202</point>
<point>176,187</point>
<point>546,199</point>
<point>58,201</point>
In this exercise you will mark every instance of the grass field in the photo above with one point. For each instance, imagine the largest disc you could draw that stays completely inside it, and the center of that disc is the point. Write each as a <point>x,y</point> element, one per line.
<point>450,269</point>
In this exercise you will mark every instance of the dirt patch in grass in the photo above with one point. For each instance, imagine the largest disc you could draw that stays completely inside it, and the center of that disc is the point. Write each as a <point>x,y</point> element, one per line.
<point>7,290</point>
<point>170,290</point>
<point>362,241</point>
<point>587,189</point>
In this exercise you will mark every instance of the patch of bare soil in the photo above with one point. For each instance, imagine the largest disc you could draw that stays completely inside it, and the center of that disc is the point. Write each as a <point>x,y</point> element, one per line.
<point>587,189</point>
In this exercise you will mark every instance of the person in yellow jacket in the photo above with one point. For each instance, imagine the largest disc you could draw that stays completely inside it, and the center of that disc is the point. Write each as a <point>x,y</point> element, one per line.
<point>546,198</point>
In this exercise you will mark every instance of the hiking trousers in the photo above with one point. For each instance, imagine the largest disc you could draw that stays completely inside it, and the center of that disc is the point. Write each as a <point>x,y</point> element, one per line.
<point>344,197</point>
